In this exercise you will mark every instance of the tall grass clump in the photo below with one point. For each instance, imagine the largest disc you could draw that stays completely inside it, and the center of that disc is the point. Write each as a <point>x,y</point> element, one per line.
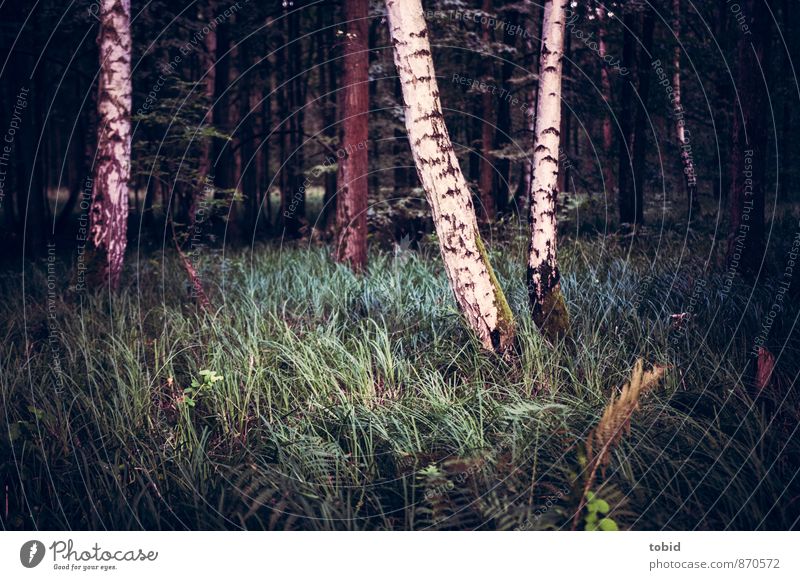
<point>310,398</point>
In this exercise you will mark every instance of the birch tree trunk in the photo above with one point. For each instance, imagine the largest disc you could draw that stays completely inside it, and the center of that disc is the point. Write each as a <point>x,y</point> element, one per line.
<point>351,205</point>
<point>109,209</point>
<point>544,291</point>
<point>680,124</point>
<point>477,292</point>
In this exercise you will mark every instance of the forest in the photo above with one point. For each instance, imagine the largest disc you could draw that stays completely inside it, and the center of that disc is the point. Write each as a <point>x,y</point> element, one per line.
<point>399,265</point>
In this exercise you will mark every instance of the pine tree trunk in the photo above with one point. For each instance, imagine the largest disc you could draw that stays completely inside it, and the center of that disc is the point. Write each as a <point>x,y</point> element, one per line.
<point>351,205</point>
<point>208,58</point>
<point>522,195</point>
<point>109,209</point>
<point>477,292</point>
<point>749,146</point>
<point>626,199</point>
<point>605,88</point>
<point>639,145</point>
<point>687,162</point>
<point>486,176</point>
<point>547,304</point>
<point>502,136</point>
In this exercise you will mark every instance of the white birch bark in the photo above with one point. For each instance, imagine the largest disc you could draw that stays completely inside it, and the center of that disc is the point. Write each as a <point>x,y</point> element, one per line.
<point>680,122</point>
<point>544,292</point>
<point>109,209</point>
<point>478,295</point>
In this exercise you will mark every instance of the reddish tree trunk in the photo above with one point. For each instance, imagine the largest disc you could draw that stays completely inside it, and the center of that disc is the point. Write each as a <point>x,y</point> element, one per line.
<point>605,88</point>
<point>351,205</point>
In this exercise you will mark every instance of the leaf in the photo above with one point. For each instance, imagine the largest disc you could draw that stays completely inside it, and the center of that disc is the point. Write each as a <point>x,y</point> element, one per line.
<point>601,506</point>
<point>608,525</point>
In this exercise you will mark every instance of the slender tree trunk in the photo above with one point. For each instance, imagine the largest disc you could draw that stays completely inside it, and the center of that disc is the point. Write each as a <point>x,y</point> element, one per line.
<point>208,66</point>
<point>109,209</point>
<point>626,198</point>
<point>502,136</point>
<point>351,205</point>
<point>687,163</point>
<point>749,146</point>
<point>248,146</point>
<point>400,173</point>
<point>486,176</point>
<point>605,88</point>
<point>547,304</point>
<point>565,128</point>
<point>329,75</point>
<point>787,137</point>
<point>522,196</point>
<point>477,292</point>
<point>293,199</point>
<point>639,145</point>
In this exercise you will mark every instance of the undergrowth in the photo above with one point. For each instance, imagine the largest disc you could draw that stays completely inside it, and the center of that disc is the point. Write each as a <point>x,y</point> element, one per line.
<point>314,399</point>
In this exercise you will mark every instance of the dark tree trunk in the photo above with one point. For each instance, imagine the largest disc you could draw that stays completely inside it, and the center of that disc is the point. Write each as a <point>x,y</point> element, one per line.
<point>605,87</point>
<point>351,205</point>
<point>293,197</point>
<point>627,200</point>
<point>328,74</point>
<point>401,178</point>
<point>502,136</point>
<point>486,177</point>
<point>640,129</point>
<point>749,146</point>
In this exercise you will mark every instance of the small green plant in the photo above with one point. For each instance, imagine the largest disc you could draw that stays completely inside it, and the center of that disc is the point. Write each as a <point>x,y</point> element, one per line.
<point>595,508</point>
<point>207,380</point>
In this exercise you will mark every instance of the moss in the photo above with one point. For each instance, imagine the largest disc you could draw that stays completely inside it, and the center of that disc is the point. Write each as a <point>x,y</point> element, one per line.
<point>551,315</point>
<point>503,337</point>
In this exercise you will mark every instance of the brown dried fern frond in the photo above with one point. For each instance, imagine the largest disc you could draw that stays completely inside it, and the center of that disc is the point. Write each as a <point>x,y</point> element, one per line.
<point>616,421</point>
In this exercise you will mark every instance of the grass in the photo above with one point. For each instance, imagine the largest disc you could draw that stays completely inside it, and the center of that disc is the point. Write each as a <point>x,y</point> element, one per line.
<point>362,403</point>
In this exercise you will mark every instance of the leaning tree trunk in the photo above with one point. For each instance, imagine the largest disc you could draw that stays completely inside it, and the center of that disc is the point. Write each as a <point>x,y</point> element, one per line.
<point>687,162</point>
<point>544,291</point>
<point>477,292</point>
<point>351,205</point>
<point>109,209</point>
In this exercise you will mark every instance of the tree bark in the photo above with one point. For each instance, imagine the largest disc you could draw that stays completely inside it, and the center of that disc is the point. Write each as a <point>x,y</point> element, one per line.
<point>522,195</point>
<point>547,303</point>
<point>639,144</point>
<point>486,175</point>
<point>749,146</point>
<point>605,88</point>
<point>351,206</point>
<point>208,66</point>
<point>477,292</point>
<point>109,209</point>
<point>687,163</point>
<point>626,199</point>
<point>502,136</point>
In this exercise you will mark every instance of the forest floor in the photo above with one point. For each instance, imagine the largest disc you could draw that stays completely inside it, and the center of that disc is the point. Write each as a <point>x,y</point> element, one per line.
<point>314,399</point>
